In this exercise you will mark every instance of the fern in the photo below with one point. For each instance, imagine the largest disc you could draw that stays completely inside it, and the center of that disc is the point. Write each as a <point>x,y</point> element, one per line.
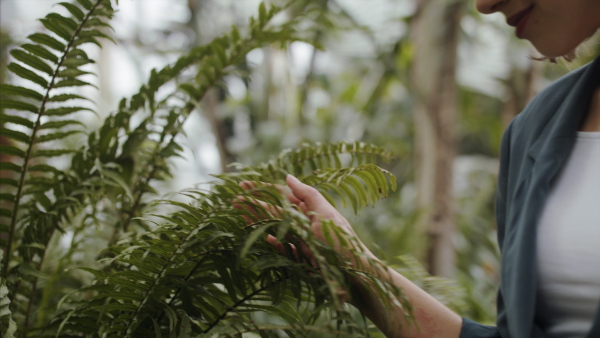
<point>360,185</point>
<point>63,72</point>
<point>6,320</point>
<point>201,269</point>
<point>29,214</point>
<point>166,115</point>
<point>206,267</point>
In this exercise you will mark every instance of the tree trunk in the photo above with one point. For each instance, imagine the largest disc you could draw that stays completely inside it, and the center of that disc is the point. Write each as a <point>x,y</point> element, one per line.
<point>213,98</point>
<point>520,89</point>
<point>210,105</point>
<point>435,30</point>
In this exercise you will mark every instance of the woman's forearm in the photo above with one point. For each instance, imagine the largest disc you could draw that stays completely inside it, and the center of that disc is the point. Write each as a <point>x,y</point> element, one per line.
<point>431,318</point>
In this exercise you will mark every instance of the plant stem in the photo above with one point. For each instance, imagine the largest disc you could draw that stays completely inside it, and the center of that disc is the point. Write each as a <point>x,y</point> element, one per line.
<point>31,298</point>
<point>242,301</point>
<point>26,160</point>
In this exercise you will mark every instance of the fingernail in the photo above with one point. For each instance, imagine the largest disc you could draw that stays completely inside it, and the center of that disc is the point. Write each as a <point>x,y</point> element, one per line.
<point>292,178</point>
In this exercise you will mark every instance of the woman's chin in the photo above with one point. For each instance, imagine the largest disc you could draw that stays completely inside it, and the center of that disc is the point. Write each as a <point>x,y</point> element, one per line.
<point>560,45</point>
<point>553,52</point>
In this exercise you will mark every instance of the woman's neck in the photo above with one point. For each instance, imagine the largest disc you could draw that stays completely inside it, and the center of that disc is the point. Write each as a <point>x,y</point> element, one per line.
<point>592,119</point>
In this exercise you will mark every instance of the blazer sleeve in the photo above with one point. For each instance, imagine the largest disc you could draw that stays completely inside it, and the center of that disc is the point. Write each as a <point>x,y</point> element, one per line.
<point>471,329</point>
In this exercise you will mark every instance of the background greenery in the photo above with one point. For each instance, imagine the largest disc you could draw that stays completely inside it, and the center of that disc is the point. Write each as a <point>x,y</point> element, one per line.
<point>358,85</point>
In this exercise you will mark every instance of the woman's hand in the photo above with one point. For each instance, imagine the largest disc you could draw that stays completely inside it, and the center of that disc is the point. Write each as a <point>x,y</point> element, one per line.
<point>318,209</point>
<point>432,319</point>
<point>314,205</point>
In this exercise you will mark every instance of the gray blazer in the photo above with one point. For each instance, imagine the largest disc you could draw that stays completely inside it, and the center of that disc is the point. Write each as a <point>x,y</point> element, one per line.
<point>534,147</point>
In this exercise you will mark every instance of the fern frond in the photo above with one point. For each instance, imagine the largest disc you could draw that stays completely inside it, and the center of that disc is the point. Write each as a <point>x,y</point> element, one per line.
<point>351,184</point>
<point>200,268</point>
<point>167,114</point>
<point>34,190</point>
<point>308,158</point>
<point>36,57</point>
<point>8,327</point>
<point>210,269</point>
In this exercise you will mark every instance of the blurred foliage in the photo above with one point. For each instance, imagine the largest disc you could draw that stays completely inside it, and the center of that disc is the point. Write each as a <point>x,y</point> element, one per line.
<point>339,97</point>
<point>92,248</point>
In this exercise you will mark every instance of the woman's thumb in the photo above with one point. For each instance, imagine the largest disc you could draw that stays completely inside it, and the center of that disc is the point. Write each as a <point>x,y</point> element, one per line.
<point>305,193</point>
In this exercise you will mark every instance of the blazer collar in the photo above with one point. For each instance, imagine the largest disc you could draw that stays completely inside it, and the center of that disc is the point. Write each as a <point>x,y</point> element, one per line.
<point>564,124</point>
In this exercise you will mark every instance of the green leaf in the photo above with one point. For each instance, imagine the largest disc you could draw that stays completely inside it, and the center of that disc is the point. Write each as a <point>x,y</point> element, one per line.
<point>120,296</point>
<point>43,200</point>
<point>52,152</point>
<point>252,238</point>
<point>60,124</point>
<point>11,329</point>
<point>220,53</point>
<point>6,213</point>
<point>157,333</point>
<point>86,4</point>
<point>66,97</point>
<point>262,14</point>
<point>83,40</point>
<point>31,60</point>
<point>118,179</point>
<point>27,269</point>
<point>56,28</point>
<point>235,34</point>
<point>190,89</point>
<point>56,136</point>
<point>47,40</point>
<point>7,197</point>
<point>11,151</point>
<point>95,22</point>
<point>97,273</point>
<point>77,53</point>
<point>106,12</point>
<point>172,315</point>
<point>9,181</point>
<point>93,33</point>
<point>64,111</point>
<point>20,91</point>
<point>76,62</point>
<point>72,72</point>
<point>68,23</point>
<point>5,118</point>
<point>27,74</point>
<point>10,166</point>
<point>15,135</point>
<point>185,325</point>
<point>72,83</point>
<point>41,52</point>
<point>44,168</point>
<point>18,105</point>
<point>74,10</point>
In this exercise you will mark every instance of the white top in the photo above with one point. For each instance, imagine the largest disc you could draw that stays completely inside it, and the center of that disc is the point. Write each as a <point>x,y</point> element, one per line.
<point>568,244</point>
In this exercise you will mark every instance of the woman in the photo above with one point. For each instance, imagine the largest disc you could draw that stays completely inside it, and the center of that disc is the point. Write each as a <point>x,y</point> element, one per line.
<point>550,273</point>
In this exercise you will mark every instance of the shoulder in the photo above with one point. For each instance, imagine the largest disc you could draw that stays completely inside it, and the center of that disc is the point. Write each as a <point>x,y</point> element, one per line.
<point>534,118</point>
<point>527,128</point>
<point>543,106</point>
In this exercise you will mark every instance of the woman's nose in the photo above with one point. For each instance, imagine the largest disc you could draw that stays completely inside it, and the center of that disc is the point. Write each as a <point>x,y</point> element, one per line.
<point>488,6</point>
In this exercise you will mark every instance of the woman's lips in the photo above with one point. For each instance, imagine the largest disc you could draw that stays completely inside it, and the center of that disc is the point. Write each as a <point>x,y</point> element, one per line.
<point>519,20</point>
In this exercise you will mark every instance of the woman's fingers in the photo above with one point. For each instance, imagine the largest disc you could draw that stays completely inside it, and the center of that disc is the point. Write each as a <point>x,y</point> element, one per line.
<point>304,250</point>
<point>285,191</point>
<point>279,246</point>
<point>276,243</point>
<point>259,209</point>
<point>311,197</point>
